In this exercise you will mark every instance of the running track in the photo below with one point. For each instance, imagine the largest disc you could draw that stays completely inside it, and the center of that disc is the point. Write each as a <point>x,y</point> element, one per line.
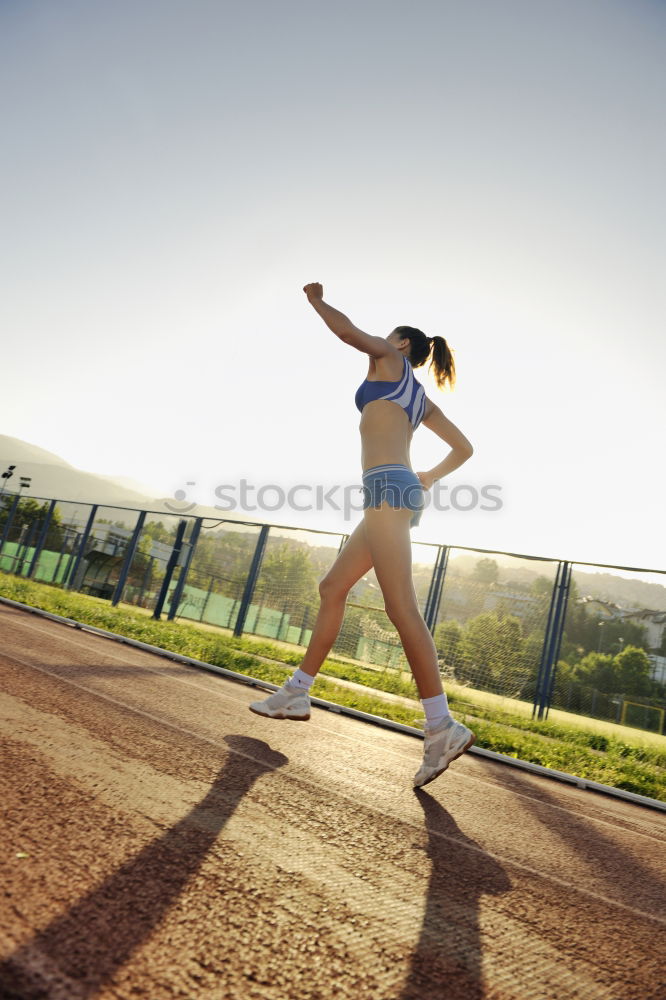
<point>180,847</point>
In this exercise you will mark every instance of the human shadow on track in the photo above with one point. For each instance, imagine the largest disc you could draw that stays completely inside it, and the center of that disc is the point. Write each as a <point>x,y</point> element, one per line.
<point>633,875</point>
<point>81,950</point>
<point>447,959</point>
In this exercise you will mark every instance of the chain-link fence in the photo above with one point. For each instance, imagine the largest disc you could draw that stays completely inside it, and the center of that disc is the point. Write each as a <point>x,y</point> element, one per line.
<point>492,622</point>
<point>540,632</point>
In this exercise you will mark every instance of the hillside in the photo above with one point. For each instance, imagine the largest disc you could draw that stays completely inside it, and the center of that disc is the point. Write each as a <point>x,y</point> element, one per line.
<point>53,477</point>
<point>605,585</point>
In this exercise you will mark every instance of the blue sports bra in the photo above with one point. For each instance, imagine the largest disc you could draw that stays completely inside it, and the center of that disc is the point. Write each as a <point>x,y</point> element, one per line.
<point>406,392</point>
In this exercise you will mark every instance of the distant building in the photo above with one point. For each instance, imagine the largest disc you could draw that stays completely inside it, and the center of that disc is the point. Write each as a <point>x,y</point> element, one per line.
<point>654,622</point>
<point>515,602</point>
<point>604,609</point>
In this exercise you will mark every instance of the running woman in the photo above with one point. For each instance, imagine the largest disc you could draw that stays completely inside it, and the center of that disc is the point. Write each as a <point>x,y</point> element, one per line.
<point>392,404</point>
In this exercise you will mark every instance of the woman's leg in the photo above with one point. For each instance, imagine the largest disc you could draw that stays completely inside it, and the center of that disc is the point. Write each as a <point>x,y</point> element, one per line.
<point>390,547</point>
<point>353,562</point>
<point>291,701</point>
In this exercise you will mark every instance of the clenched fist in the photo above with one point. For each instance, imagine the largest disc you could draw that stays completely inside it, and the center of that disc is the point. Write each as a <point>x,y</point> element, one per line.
<point>314,291</point>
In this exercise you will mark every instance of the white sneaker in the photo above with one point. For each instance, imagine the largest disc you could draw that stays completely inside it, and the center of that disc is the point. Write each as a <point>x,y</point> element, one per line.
<point>287,703</point>
<point>443,743</point>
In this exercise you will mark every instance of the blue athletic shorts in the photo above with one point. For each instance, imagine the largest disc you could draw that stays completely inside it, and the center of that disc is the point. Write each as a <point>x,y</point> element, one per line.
<point>395,484</point>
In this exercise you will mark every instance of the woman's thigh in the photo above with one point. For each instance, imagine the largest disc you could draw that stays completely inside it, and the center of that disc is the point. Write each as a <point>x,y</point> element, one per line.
<point>353,562</point>
<point>390,547</point>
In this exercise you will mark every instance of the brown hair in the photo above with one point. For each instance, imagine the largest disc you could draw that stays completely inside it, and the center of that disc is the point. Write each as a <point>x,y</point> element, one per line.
<point>420,349</point>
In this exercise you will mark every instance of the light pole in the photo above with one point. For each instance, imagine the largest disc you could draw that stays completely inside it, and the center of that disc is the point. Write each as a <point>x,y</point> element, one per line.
<point>7,475</point>
<point>24,483</point>
<point>599,643</point>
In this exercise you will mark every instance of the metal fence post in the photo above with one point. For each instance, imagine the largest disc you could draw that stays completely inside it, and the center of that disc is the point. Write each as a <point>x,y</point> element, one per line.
<point>184,570</point>
<point>544,647</point>
<point>251,581</point>
<point>170,567</point>
<point>54,578</point>
<point>129,557</point>
<point>9,522</point>
<point>42,538</point>
<point>552,640</point>
<point>71,575</point>
<point>22,553</point>
<point>436,585</point>
<point>207,598</point>
<point>147,577</point>
<point>557,638</point>
<point>343,541</point>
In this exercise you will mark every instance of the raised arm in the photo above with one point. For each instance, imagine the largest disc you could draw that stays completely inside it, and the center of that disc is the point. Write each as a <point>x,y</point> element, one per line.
<point>343,327</point>
<point>461,448</point>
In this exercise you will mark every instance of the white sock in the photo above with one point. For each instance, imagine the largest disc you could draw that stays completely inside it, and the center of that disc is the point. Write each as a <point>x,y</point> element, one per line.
<point>301,680</point>
<point>436,709</point>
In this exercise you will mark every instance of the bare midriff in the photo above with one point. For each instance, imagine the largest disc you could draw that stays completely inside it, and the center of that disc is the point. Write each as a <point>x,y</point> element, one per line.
<point>386,435</point>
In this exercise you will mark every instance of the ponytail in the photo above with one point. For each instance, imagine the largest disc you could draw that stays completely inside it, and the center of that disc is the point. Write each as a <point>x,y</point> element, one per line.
<point>436,348</point>
<point>442,363</point>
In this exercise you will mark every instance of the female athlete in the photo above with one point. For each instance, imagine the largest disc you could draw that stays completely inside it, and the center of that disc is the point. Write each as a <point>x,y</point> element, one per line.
<point>392,404</point>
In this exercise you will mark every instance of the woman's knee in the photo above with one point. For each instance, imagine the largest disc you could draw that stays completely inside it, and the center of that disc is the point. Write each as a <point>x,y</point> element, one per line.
<point>402,612</point>
<point>331,589</point>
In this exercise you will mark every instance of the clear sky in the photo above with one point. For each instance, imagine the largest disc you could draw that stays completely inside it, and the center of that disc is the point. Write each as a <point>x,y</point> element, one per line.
<point>174,172</point>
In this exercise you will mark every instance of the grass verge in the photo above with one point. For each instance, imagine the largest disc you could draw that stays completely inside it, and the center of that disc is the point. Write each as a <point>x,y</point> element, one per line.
<point>586,753</point>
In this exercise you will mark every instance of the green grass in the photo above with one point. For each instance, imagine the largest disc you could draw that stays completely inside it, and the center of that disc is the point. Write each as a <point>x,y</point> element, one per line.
<point>581,747</point>
<point>626,734</point>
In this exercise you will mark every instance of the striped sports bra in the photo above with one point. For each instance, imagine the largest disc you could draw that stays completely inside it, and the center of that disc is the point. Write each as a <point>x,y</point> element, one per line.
<point>406,392</point>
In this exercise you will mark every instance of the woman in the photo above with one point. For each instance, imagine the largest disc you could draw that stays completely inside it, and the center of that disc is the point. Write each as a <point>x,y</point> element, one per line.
<point>392,404</point>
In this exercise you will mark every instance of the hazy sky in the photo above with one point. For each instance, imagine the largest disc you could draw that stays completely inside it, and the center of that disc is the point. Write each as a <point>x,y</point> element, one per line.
<point>174,172</point>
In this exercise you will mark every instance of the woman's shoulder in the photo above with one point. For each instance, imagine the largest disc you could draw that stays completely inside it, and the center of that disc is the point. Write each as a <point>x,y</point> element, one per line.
<point>389,368</point>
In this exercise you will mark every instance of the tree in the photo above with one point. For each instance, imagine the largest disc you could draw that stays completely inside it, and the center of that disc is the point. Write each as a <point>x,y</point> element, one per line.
<point>158,532</point>
<point>626,673</point>
<point>224,555</point>
<point>288,578</point>
<point>632,670</point>
<point>447,641</point>
<point>524,676</point>
<point>486,571</point>
<point>27,512</point>
<point>596,670</point>
<point>491,651</point>
<point>542,587</point>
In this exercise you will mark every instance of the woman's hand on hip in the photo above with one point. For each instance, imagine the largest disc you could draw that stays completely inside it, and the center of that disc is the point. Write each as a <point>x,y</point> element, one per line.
<point>427,479</point>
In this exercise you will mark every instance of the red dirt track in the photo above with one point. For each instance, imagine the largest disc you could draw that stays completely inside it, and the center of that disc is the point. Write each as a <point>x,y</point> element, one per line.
<point>179,846</point>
